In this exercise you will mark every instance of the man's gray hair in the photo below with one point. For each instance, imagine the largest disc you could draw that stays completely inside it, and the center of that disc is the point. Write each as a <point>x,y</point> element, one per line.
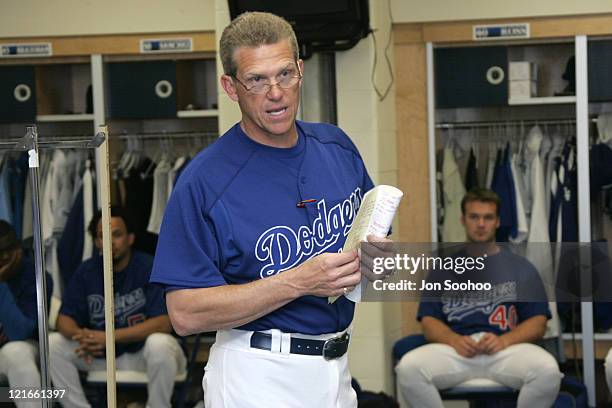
<point>252,29</point>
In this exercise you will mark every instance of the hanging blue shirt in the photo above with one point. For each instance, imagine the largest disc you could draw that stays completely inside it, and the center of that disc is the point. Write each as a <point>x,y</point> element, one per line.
<point>18,181</point>
<point>135,299</point>
<point>500,310</point>
<point>564,203</point>
<point>601,167</point>
<point>6,210</point>
<point>503,185</point>
<point>233,219</point>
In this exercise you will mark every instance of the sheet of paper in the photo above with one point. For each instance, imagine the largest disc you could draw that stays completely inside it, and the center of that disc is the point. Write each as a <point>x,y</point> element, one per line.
<point>374,217</point>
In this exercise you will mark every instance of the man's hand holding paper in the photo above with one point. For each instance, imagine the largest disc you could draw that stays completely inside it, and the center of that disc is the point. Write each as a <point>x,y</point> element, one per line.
<point>372,223</point>
<point>376,247</point>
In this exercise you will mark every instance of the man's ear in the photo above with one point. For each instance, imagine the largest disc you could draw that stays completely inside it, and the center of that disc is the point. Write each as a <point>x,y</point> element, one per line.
<point>131,238</point>
<point>19,255</point>
<point>463,219</point>
<point>98,244</point>
<point>228,85</point>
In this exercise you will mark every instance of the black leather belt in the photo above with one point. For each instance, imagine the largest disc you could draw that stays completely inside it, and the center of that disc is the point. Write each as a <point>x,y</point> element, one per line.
<point>331,348</point>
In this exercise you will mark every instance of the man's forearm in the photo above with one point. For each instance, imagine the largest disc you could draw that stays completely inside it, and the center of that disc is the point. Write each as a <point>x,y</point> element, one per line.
<point>529,331</point>
<point>229,306</point>
<point>140,331</point>
<point>67,326</point>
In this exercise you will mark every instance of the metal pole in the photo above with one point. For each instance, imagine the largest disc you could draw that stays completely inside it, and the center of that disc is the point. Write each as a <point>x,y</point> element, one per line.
<point>431,137</point>
<point>584,210</point>
<point>515,122</point>
<point>39,257</point>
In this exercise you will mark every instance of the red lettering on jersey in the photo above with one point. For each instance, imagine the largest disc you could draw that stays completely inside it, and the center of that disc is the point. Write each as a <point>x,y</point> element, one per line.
<point>499,318</point>
<point>512,317</point>
<point>135,319</point>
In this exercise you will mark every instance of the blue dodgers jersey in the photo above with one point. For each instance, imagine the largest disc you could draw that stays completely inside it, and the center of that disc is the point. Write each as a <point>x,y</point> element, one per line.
<point>233,219</point>
<point>135,298</point>
<point>497,310</point>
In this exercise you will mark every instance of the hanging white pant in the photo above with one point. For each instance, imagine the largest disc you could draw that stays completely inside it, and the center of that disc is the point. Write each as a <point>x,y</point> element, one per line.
<point>88,211</point>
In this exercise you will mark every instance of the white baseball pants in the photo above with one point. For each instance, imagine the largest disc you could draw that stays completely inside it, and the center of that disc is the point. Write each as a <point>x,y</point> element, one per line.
<point>238,376</point>
<point>19,365</point>
<point>432,367</point>
<point>161,357</point>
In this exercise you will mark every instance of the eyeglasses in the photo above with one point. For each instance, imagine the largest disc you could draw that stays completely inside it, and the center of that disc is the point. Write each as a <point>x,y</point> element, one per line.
<point>258,84</point>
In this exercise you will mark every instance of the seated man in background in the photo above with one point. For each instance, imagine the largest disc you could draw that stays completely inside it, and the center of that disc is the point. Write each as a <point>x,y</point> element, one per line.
<point>18,314</point>
<point>488,338</point>
<point>142,326</point>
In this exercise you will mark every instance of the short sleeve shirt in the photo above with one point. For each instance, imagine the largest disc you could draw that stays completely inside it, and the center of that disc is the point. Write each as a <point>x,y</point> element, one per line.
<point>234,218</point>
<point>499,311</point>
<point>135,298</point>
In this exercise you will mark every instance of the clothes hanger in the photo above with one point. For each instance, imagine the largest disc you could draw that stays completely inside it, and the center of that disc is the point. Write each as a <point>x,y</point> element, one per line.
<point>134,154</point>
<point>125,155</point>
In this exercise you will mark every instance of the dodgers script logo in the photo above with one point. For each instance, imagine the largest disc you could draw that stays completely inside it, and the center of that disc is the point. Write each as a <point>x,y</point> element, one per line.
<point>125,305</point>
<point>458,308</point>
<point>283,248</point>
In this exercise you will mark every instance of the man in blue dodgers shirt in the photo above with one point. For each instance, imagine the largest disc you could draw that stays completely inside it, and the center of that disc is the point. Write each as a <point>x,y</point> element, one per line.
<point>18,315</point>
<point>250,241</point>
<point>479,339</point>
<point>141,321</point>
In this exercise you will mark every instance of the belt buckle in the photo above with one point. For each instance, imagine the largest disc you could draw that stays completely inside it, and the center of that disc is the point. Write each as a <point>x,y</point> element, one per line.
<point>335,347</point>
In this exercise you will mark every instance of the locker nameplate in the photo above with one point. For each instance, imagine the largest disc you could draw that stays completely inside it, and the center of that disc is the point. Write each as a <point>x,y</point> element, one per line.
<point>160,46</point>
<point>500,31</point>
<point>26,50</point>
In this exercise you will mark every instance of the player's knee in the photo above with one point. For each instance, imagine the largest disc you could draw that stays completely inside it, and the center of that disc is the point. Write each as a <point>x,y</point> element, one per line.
<point>17,353</point>
<point>159,342</point>
<point>547,376</point>
<point>159,347</point>
<point>410,373</point>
